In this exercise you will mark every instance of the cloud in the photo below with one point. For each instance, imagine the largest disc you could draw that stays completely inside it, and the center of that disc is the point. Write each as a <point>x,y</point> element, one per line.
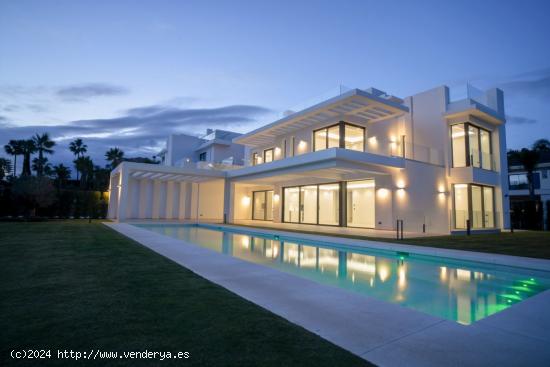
<point>532,84</point>
<point>520,120</point>
<point>138,131</point>
<point>82,92</point>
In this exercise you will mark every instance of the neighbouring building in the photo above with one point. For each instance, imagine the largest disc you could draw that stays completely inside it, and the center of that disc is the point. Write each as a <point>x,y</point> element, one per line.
<point>362,159</point>
<point>530,212</point>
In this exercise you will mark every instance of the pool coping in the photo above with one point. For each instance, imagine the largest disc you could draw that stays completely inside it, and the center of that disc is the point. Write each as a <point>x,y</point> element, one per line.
<point>383,333</point>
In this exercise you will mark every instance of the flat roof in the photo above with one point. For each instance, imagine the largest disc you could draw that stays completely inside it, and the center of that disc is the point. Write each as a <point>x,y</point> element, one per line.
<point>369,106</point>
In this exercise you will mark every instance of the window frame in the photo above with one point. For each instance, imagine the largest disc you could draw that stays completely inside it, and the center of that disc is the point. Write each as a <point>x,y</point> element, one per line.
<point>468,160</point>
<point>299,187</point>
<point>272,150</point>
<point>341,137</point>
<point>265,201</point>
<point>470,206</point>
<point>201,155</point>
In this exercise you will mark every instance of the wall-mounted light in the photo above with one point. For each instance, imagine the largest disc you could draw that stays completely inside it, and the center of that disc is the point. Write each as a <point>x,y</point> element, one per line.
<point>245,200</point>
<point>276,197</point>
<point>382,193</point>
<point>302,145</point>
<point>400,184</point>
<point>277,151</point>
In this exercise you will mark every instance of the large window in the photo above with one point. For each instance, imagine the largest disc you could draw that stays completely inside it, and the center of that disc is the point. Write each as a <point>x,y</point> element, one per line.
<point>262,205</point>
<point>312,204</point>
<point>360,203</point>
<point>473,203</point>
<point>256,159</point>
<point>471,146</point>
<point>268,155</point>
<point>341,135</point>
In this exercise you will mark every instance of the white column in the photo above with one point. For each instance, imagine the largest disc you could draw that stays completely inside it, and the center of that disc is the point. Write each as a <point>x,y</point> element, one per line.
<point>169,200</point>
<point>113,196</point>
<point>162,200</point>
<point>122,212</point>
<point>143,191</point>
<point>228,198</point>
<point>182,201</point>
<point>156,197</point>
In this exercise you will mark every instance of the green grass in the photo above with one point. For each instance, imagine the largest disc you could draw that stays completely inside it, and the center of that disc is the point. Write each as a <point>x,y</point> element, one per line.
<point>74,285</point>
<point>523,243</point>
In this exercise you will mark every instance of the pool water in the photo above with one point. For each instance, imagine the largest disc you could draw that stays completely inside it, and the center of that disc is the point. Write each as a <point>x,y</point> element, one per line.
<point>456,290</point>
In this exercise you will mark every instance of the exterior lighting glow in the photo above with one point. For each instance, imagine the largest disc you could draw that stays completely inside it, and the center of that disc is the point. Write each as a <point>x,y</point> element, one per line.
<point>383,193</point>
<point>400,184</point>
<point>245,200</point>
<point>302,145</point>
<point>277,151</point>
<point>276,197</point>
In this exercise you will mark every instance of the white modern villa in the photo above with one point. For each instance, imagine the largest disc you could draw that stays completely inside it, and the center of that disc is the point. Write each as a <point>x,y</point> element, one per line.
<point>361,159</point>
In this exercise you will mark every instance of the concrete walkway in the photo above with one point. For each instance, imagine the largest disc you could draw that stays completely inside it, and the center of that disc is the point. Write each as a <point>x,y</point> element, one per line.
<point>383,333</point>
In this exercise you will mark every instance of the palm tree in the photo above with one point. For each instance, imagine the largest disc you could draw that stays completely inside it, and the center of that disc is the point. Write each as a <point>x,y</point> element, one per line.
<point>78,148</point>
<point>5,167</point>
<point>14,148</point>
<point>27,147</point>
<point>41,166</point>
<point>115,156</point>
<point>43,145</point>
<point>61,174</point>
<point>85,166</point>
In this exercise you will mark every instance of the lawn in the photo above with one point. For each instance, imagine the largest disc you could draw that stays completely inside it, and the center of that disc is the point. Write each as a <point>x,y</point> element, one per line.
<point>73,285</point>
<point>520,243</point>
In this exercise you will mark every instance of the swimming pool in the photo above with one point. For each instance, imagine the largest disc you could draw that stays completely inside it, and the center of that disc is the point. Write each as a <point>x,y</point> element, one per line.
<point>461,291</point>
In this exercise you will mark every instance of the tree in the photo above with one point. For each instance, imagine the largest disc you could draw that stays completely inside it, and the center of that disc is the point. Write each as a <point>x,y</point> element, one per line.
<point>114,156</point>
<point>41,166</point>
<point>43,144</point>
<point>61,174</point>
<point>86,167</point>
<point>528,159</point>
<point>5,167</point>
<point>27,147</point>
<point>78,148</point>
<point>14,148</point>
<point>541,145</point>
<point>33,192</point>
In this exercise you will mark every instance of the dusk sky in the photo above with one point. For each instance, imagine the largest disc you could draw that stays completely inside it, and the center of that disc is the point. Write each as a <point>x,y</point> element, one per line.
<point>128,73</point>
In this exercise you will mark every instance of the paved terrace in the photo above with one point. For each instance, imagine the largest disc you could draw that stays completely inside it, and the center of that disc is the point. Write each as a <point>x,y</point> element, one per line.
<point>383,333</point>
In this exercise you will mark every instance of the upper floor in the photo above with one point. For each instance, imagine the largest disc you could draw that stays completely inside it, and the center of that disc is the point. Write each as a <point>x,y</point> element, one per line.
<point>215,149</point>
<point>465,135</point>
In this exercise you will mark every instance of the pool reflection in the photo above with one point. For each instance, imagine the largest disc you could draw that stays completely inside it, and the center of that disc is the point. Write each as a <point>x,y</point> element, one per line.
<point>459,293</point>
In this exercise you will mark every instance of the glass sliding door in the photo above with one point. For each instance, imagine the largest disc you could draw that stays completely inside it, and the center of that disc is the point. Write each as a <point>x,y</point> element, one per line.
<point>486,156</point>
<point>258,205</point>
<point>354,138</point>
<point>461,207</point>
<point>475,154</point>
<point>269,205</point>
<point>308,204</point>
<point>262,205</point>
<point>458,138</point>
<point>341,135</point>
<point>333,136</point>
<point>360,204</point>
<point>471,146</point>
<point>488,207</point>
<point>291,199</point>
<point>474,203</point>
<point>320,140</point>
<point>477,207</point>
<point>329,204</point>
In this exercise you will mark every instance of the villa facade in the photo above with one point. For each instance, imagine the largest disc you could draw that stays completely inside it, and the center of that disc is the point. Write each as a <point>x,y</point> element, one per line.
<point>361,159</point>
